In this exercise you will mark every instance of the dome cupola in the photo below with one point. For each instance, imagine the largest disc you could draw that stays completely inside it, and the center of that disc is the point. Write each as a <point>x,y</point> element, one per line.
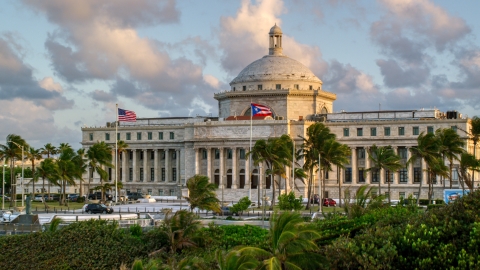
<point>275,47</point>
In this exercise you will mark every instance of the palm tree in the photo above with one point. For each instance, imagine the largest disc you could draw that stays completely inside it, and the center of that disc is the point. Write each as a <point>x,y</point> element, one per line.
<point>46,170</point>
<point>475,133</point>
<point>333,153</point>
<point>33,155</point>
<point>48,149</point>
<point>291,245</point>
<point>201,194</point>
<point>383,157</point>
<point>11,152</point>
<point>67,169</point>
<point>363,200</point>
<point>451,146</point>
<point>99,155</point>
<point>233,260</point>
<point>435,168</point>
<point>427,149</point>
<point>80,167</point>
<point>467,162</point>
<point>317,135</point>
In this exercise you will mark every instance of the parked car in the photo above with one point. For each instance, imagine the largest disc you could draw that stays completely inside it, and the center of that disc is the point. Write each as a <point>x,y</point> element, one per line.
<point>39,198</point>
<point>133,196</point>
<point>329,202</point>
<point>226,211</point>
<point>98,196</point>
<point>6,198</point>
<point>72,197</point>
<point>93,208</point>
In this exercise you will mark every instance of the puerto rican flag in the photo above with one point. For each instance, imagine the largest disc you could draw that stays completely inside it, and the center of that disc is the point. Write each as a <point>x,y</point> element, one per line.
<point>126,115</point>
<point>260,110</point>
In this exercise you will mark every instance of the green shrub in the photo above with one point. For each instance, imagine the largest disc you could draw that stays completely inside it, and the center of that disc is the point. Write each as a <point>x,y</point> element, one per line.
<point>431,206</point>
<point>289,202</point>
<point>241,206</point>
<point>80,199</point>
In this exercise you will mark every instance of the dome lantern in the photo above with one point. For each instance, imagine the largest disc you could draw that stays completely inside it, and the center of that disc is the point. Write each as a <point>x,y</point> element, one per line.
<point>275,38</point>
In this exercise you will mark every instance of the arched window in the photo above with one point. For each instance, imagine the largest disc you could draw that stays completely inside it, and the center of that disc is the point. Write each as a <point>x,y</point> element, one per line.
<point>217,177</point>
<point>254,177</point>
<point>242,179</point>
<point>229,178</point>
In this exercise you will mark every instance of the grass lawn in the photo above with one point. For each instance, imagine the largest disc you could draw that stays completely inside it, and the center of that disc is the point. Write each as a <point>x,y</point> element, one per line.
<point>313,209</point>
<point>41,207</point>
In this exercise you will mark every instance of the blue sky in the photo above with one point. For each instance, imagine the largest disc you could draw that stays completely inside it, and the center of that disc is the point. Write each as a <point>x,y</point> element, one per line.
<point>65,64</point>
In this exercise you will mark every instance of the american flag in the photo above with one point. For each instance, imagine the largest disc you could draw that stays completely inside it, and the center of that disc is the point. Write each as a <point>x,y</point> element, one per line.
<point>126,116</point>
<point>258,109</point>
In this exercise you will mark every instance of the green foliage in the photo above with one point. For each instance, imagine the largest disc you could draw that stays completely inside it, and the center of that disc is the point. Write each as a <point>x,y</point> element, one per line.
<point>229,236</point>
<point>136,230</point>
<point>289,202</point>
<point>201,194</point>
<point>92,244</point>
<point>241,206</point>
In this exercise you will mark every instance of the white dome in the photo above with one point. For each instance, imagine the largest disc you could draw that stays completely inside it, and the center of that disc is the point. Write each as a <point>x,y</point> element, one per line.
<point>276,68</point>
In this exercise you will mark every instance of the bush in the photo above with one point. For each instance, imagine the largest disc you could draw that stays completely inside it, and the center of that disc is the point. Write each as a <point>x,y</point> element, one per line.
<point>80,199</point>
<point>241,206</point>
<point>289,202</point>
<point>432,206</point>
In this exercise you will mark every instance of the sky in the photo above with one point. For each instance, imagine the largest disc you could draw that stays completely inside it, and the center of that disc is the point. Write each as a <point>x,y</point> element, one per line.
<point>66,64</point>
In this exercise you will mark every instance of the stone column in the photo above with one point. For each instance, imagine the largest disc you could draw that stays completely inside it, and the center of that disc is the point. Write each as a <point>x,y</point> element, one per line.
<point>134,165</point>
<point>209,164</point>
<point>168,177</point>
<point>409,168</point>
<point>125,158</point>
<point>197,160</point>
<point>354,165</point>
<point>155,165</point>
<point>177,153</point>
<point>145,165</point>
<point>234,168</point>
<point>368,175</point>
<point>424,173</point>
<point>222,167</point>
<point>247,172</point>
<point>382,179</point>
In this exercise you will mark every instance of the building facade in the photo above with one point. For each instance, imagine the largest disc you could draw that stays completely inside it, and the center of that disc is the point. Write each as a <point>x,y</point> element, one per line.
<point>164,152</point>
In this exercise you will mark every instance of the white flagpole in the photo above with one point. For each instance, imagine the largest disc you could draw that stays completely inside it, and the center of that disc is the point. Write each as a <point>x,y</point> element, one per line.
<point>116,153</point>
<point>250,156</point>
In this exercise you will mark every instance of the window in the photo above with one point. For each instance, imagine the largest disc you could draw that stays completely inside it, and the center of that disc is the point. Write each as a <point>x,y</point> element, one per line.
<point>109,174</point>
<point>403,175</point>
<point>107,136</point>
<point>388,176</point>
<point>139,190</point>
<point>141,155</point>
<point>139,136</point>
<point>149,135</point>
<point>174,155</point>
<point>160,192</point>
<point>373,131</point>
<point>346,132</point>
<point>244,88</point>
<point>172,192</point>
<point>375,176</point>
<point>402,152</point>
<point>415,195</point>
<point>130,174</point>
<point>217,154</point>
<point>386,131</point>
<point>417,175</point>
<point>278,86</point>
<point>242,154</point>
<point>455,174</point>
<point>430,129</point>
<point>160,135</point>
<point>152,174</point>
<point>361,176</point>
<point>163,174</point>
<point>141,174</point>
<point>131,155</point>
<point>128,136</point>
<point>90,136</point>
<point>172,136</point>
<point>118,136</point>
<point>174,174</point>
<point>348,175</point>
<point>416,130</point>
<point>454,128</point>
<point>259,87</point>
<point>234,88</point>
<point>401,131</point>
<point>401,195</point>
<point>204,154</point>
<point>229,153</point>
<point>295,86</point>
<point>359,132</point>
<point>149,191</point>
<point>310,87</point>
<point>361,153</point>
<point>152,154</point>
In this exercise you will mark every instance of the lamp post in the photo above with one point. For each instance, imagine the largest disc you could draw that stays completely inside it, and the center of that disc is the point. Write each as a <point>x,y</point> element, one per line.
<point>23,190</point>
<point>3,185</point>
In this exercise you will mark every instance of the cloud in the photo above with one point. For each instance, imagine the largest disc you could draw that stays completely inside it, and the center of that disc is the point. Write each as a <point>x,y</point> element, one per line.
<point>101,95</point>
<point>396,76</point>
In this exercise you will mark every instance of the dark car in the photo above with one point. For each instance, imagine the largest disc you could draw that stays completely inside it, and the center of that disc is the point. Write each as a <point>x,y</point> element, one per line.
<point>93,208</point>
<point>329,202</point>
<point>315,199</point>
<point>133,196</point>
<point>98,196</point>
<point>73,197</point>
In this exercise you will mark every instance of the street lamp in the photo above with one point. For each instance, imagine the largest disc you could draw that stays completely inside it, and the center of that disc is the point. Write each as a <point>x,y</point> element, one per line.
<point>3,185</point>
<point>23,190</point>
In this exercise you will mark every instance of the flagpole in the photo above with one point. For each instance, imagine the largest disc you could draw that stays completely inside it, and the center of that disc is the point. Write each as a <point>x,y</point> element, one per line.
<point>116,152</point>
<point>250,156</point>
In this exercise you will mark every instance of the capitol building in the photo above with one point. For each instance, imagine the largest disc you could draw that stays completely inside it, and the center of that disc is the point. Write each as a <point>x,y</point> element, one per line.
<point>164,152</point>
